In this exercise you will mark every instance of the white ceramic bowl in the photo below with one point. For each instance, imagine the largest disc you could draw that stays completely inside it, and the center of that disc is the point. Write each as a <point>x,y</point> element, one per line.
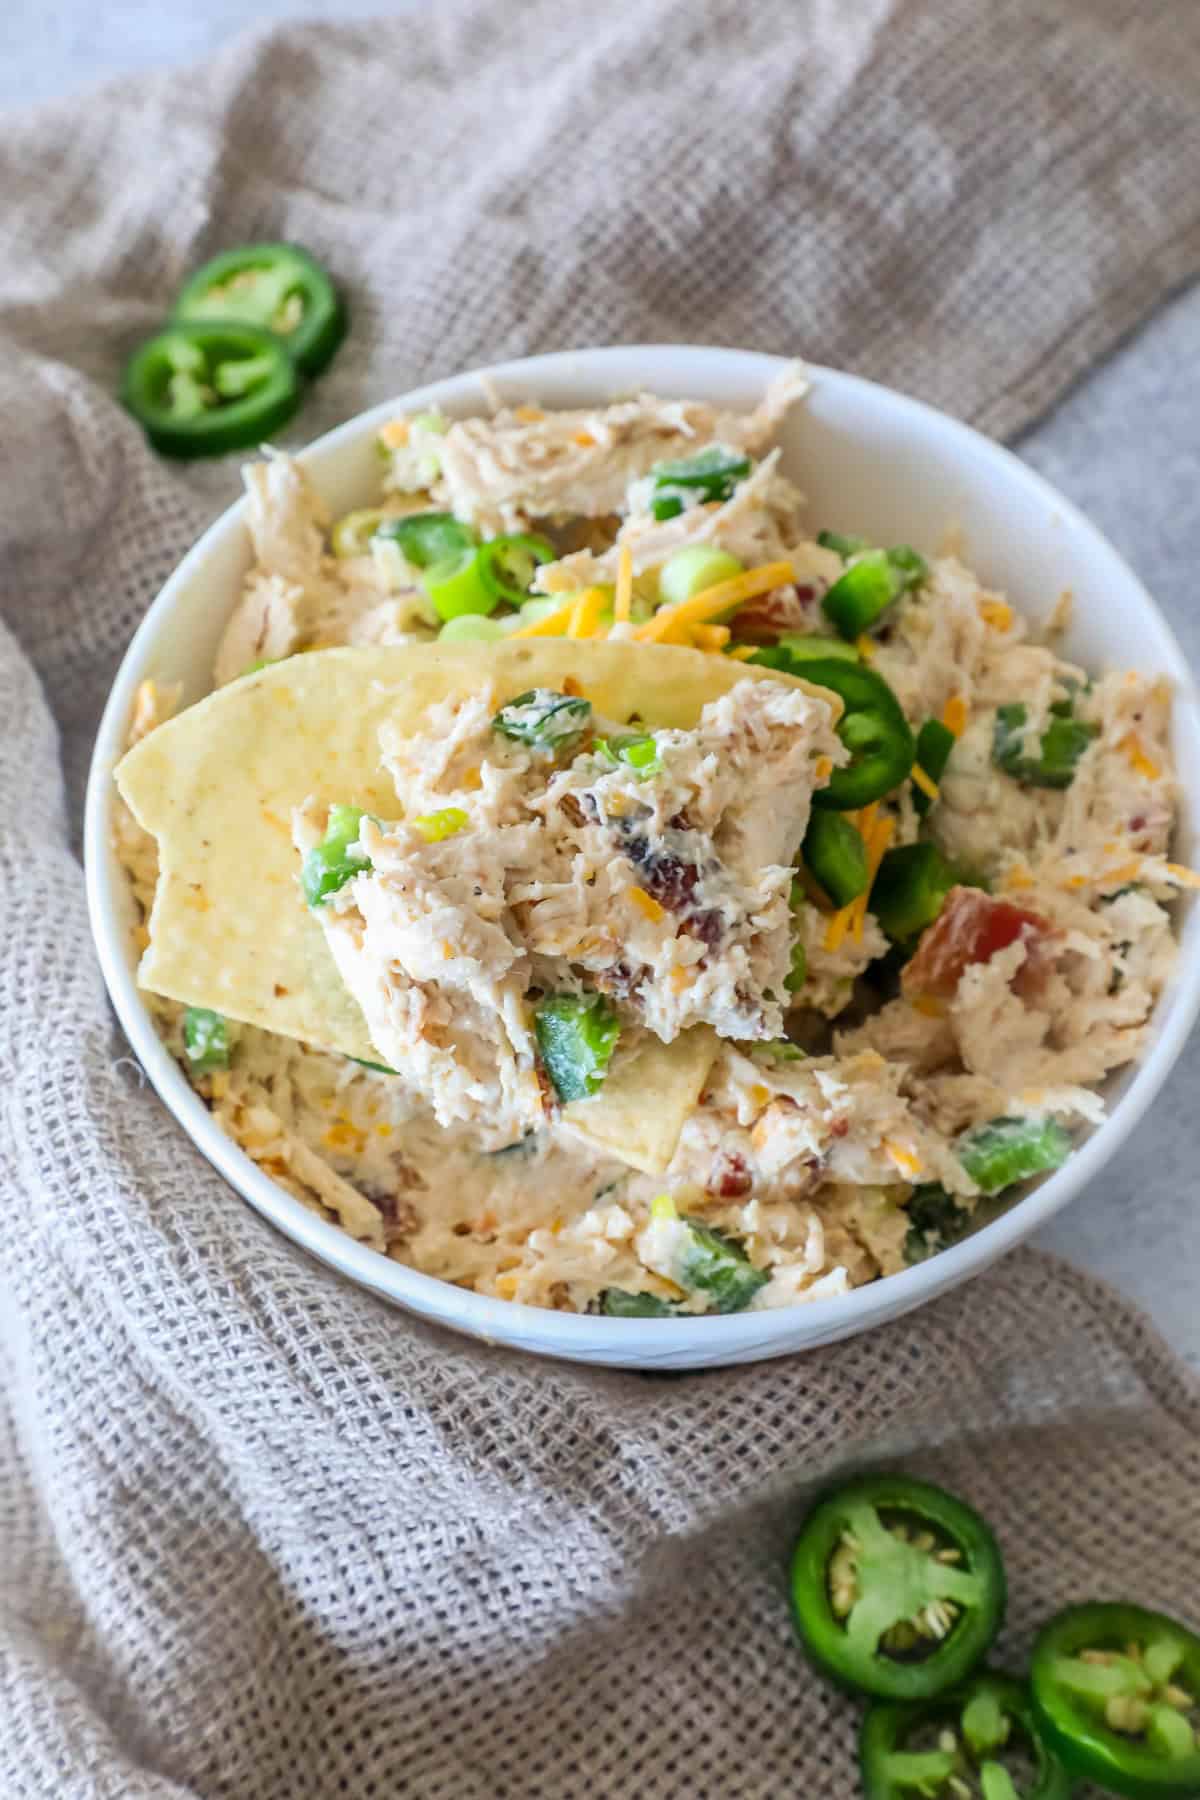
<point>871,462</point>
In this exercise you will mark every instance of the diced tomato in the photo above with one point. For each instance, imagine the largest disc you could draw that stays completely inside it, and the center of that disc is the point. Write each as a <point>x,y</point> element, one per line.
<point>972,927</point>
<point>761,621</point>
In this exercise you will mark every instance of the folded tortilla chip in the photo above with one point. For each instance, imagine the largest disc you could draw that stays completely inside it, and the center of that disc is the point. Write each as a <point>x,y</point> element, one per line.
<point>216,787</point>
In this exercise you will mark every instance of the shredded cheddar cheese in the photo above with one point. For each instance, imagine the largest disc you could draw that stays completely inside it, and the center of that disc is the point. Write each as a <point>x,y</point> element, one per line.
<point>921,780</point>
<point>554,624</point>
<point>742,653</point>
<point>647,904</point>
<point>1138,760</point>
<point>394,434</point>
<point>1184,876</point>
<point>1018,877</point>
<point>710,637</point>
<point>585,614</point>
<point>823,768</point>
<point>907,1161</point>
<point>954,715</point>
<point>880,836</point>
<point>623,597</point>
<point>585,440</point>
<point>997,613</point>
<point>529,415</point>
<point>711,601</point>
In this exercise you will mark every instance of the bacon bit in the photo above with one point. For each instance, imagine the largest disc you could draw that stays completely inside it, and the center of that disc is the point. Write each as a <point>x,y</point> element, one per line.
<point>865,646</point>
<point>729,1178</point>
<point>972,927</point>
<point>743,653</point>
<point>996,613</point>
<point>928,1005</point>
<point>907,1161</point>
<point>585,440</point>
<point>840,1127</point>
<point>529,415</point>
<point>1138,760</point>
<point>623,592</point>
<point>647,904</point>
<point>823,768</point>
<point>1184,876</point>
<point>955,714</point>
<point>921,780</point>
<point>394,434</point>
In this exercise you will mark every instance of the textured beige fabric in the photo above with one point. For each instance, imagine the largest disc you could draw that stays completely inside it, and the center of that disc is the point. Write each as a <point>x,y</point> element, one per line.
<point>260,1536</point>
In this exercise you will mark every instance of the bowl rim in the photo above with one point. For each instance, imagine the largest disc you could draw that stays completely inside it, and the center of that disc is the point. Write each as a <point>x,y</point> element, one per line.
<point>685,1342</point>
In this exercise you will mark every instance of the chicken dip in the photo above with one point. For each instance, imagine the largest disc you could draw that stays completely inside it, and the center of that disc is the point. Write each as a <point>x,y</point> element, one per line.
<point>590,888</point>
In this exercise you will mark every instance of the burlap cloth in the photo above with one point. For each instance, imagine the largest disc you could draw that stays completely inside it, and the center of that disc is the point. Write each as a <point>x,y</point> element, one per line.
<point>262,1536</point>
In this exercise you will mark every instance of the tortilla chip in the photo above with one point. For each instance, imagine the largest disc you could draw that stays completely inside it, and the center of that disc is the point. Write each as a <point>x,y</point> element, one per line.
<point>216,786</point>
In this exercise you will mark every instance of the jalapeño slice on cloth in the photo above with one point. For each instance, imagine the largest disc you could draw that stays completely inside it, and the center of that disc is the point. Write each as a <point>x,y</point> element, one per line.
<point>1116,1694</point>
<point>897,1587</point>
<point>872,727</point>
<point>279,288</point>
<point>979,1739</point>
<point>203,389</point>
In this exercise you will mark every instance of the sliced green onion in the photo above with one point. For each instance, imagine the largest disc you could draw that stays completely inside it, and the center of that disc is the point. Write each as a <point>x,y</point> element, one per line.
<point>474,627</point>
<point>436,826</point>
<point>618,1304</point>
<point>845,547</point>
<point>667,506</point>
<point>1053,763</point>
<point>205,1039</point>
<point>935,1221</point>
<point>428,538</point>
<point>507,565</point>
<point>935,741</point>
<point>456,587</point>
<point>576,1034</point>
<point>714,1265</point>
<point>998,1155</point>
<point>352,534</point>
<point>692,569</point>
<point>713,472</point>
<point>638,753</point>
<point>809,646</point>
<point>544,719</point>
<point>337,859</point>
<point>797,975</point>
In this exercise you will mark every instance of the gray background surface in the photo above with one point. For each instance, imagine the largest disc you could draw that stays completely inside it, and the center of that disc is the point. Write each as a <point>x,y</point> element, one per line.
<point>1125,446</point>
